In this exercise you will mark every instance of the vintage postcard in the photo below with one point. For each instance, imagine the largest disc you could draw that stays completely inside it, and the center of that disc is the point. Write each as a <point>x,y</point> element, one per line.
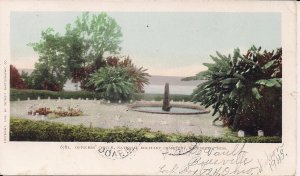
<point>148,88</point>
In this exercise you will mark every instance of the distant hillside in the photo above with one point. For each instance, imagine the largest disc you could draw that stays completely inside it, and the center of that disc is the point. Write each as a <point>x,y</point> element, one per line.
<point>199,76</point>
<point>154,79</point>
<point>172,80</point>
<point>190,78</point>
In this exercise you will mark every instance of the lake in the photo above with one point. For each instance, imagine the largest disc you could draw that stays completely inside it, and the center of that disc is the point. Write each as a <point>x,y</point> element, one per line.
<point>157,85</point>
<point>174,89</point>
<point>176,86</point>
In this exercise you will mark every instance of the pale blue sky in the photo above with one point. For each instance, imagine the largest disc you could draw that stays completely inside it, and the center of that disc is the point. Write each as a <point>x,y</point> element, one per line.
<point>174,43</point>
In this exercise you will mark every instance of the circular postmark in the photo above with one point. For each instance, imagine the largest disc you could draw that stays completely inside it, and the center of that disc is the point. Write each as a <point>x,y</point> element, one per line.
<point>118,152</point>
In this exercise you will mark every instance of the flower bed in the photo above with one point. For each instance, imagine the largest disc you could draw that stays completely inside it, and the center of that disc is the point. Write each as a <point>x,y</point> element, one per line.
<point>60,112</point>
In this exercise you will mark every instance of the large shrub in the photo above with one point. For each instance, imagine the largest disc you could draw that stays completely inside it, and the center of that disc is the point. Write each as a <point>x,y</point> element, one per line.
<point>28,130</point>
<point>245,90</point>
<point>114,83</point>
<point>15,79</point>
<point>138,75</point>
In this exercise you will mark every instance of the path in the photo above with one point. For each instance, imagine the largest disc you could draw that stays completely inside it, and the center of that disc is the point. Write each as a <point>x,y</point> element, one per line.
<point>105,115</point>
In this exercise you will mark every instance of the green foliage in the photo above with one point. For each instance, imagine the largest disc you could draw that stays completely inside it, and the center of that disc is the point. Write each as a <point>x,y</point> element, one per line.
<point>51,71</point>
<point>43,78</point>
<point>245,90</point>
<point>138,74</point>
<point>29,130</point>
<point>160,97</point>
<point>73,50</point>
<point>113,82</point>
<point>26,78</point>
<point>84,43</point>
<point>99,35</point>
<point>44,94</point>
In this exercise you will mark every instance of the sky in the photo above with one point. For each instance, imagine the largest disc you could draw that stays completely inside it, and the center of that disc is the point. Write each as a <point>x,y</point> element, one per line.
<point>166,43</point>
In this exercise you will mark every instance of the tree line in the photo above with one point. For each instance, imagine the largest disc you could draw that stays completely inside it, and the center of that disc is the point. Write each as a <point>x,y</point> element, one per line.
<point>86,53</point>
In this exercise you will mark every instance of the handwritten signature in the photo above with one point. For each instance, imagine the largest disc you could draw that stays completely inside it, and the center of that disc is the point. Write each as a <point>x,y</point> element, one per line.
<point>213,161</point>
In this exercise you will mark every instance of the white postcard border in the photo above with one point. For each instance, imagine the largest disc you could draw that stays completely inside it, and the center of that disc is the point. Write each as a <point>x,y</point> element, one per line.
<point>52,158</point>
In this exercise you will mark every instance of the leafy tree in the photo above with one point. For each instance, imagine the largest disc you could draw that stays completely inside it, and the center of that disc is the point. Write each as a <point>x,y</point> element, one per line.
<point>99,34</point>
<point>26,78</point>
<point>245,90</point>
<point>43,79</point>
<point>15,79</point>
<point>51,72</point>
<point>73,50</point>
<point>80,50</point>
<point>114,82</point>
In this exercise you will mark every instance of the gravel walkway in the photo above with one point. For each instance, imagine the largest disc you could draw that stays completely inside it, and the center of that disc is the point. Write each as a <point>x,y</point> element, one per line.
<point>103,115</point>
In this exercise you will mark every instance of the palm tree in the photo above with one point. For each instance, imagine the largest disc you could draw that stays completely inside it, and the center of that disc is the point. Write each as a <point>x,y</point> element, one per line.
<point>113,82</point>
<point>245,90</point>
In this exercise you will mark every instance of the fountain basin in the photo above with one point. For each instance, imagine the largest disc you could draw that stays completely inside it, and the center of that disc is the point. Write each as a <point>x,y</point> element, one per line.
<point>177,108</point>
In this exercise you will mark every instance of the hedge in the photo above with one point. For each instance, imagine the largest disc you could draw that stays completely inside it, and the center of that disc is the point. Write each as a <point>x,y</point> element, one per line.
<point>29,130</point>
<point>23,94</point>
<point>159,97</point>
<point>44,94</point>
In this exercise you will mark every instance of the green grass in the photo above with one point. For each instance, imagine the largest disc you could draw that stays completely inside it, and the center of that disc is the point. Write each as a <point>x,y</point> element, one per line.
<point>29,130</point>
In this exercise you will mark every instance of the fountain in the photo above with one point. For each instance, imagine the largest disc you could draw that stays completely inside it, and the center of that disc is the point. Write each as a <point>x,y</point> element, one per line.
<point>166,102</point>
<point>174,108</point>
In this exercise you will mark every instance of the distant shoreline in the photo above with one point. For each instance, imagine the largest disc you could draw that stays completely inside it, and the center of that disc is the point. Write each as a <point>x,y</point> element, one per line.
<point>155,86</point>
